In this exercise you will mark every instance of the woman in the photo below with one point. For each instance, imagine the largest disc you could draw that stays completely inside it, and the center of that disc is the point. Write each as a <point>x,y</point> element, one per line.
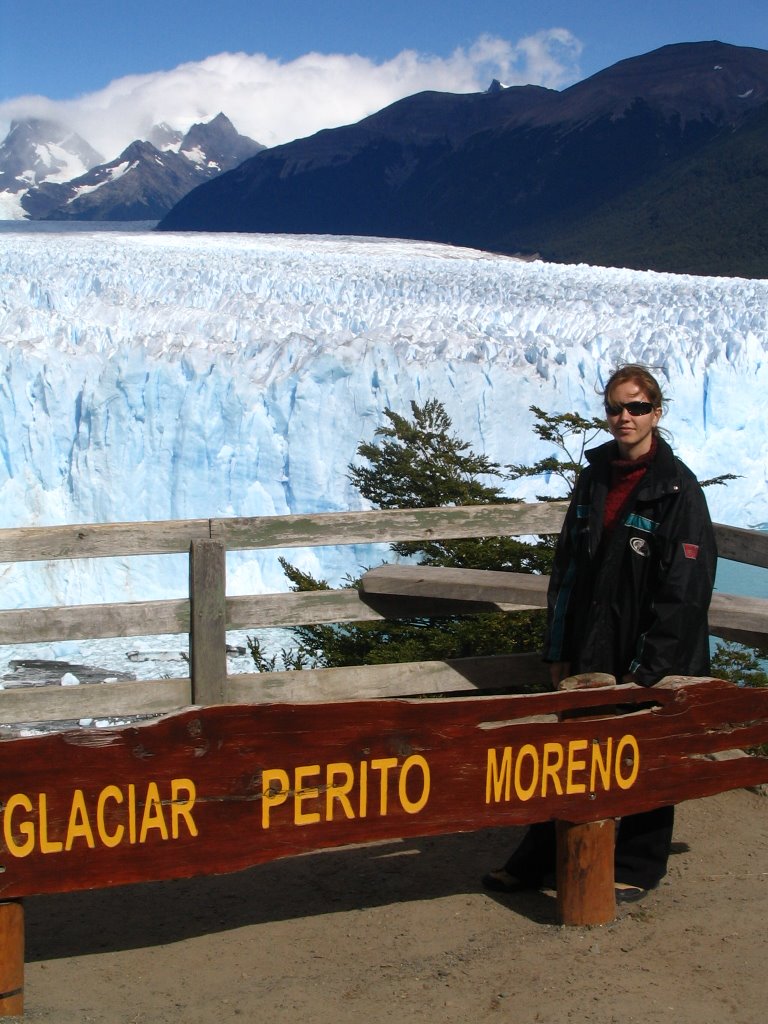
<point>629,593</point>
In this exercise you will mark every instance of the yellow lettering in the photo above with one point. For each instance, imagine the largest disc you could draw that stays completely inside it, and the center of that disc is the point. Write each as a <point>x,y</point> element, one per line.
<point>274,791</point>
<point>496,778</point>
<point>363,789</point>
<point>182,808</point>
<point>527,750</point>
<point>131,813</point>
<point>632,762</point>
<point>339,791</point>
<point>301,794</point>
<point>26,828</point>
<point>414,806</point>
<point>553,759</point>
<point>78,826</point>
<point>575,766</point>
<point>153,814</point>
<point>109,839</point>
<point>383,764</point>
<point>603,765</point>
<point>341,783</point>
<point>46,845</point>
<point>100,822</point>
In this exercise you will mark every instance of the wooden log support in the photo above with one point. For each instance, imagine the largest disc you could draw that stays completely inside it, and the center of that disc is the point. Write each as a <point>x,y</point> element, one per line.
<point>221,788</point>
<point>585,883</point>
<point>207,633</point>
<point>218,789</point>
<point>11,958</point>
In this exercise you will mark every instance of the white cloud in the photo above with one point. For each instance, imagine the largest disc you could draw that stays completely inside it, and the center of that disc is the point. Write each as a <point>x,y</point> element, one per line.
<point>275,102</point>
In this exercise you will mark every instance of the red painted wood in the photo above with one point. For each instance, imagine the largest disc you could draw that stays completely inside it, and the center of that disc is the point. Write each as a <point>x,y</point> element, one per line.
<point>70,819</point>
<point>585,882</point>
<point>11,958</point>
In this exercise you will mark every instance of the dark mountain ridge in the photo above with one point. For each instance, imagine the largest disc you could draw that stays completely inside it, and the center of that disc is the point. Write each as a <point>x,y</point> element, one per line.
<point>142,183</point>
<point>508,170</point>
<point>711,80</point>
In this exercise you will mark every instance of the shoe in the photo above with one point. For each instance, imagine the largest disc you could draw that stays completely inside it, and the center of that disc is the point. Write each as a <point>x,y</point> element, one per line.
<point>502,881</point>
<point>630,894</point>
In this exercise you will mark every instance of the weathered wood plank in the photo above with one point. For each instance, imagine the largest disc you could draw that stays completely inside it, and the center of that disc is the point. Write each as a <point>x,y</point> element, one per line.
<point>100,540</point>
<point>388,526</point>
<point>207,634</point>
<point>219,789</point>
<point>750,546</point>
<point>317,606</point>
<point>390,592</point>
<point>29,704</point>
<point>744,619</point>
<point>500,672</point>
<point>93,621</point>
<point>321,606</point>
<point>730,616</point>
<point>456,584</point>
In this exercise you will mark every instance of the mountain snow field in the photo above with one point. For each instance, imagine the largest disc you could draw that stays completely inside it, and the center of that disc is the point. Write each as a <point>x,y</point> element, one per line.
<point>156,376</point>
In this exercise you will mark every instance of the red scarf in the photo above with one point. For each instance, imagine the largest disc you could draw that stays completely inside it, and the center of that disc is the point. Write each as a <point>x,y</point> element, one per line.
<point>626,474</point>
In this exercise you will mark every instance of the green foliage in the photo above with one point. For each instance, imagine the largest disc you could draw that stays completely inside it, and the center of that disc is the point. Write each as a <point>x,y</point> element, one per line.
<point>288,659</point>
<point>743,665</point>
<point>721,480</point>
<point>739,663</point>
<point>421,463</point>
<point>570,433</point>
<point>401,640</point>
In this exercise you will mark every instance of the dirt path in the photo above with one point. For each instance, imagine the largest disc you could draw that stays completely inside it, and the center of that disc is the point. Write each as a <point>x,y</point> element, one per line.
<point>403,932</point>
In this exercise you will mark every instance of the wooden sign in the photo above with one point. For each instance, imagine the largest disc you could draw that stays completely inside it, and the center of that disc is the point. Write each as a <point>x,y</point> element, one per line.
<point>217,789</point>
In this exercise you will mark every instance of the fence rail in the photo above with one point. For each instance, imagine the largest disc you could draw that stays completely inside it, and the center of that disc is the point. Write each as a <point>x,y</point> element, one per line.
<point>51,846</point>
<point>208,612</point>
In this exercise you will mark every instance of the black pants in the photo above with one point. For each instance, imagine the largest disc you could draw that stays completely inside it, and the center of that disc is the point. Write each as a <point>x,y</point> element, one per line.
<point>643,842</point>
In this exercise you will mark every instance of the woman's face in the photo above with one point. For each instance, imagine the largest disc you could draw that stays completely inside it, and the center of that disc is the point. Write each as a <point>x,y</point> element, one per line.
<point>633,433</point>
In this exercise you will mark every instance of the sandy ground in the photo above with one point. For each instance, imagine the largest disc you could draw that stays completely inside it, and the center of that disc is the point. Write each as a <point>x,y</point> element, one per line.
<point>404,932</point>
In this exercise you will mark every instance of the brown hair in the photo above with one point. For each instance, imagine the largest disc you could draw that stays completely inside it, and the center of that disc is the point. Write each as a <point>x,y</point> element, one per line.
<point>635,373</point>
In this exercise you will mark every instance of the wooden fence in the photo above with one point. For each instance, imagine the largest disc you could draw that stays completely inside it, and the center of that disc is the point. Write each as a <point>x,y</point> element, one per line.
<point>312,759</point>
<point>208,612</point>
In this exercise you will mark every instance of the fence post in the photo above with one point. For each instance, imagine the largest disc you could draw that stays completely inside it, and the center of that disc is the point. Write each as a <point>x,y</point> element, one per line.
<point>207,621</point>
<point>585,874</point>
<point>11,958</point>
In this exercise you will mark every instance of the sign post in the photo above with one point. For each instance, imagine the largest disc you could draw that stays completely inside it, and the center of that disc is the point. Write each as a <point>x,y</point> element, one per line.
<point>217,789</point>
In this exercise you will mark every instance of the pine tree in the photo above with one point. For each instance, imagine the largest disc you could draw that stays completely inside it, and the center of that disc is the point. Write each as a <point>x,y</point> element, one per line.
<point>570,433</point>
<point>421,463</point>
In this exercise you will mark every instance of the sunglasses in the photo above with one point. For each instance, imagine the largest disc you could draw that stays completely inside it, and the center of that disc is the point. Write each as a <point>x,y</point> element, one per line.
<point>633,408</point>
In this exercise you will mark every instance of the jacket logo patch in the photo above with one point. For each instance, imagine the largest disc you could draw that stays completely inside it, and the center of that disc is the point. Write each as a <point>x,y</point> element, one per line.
<point>640,546</point>
<point>691,550</point>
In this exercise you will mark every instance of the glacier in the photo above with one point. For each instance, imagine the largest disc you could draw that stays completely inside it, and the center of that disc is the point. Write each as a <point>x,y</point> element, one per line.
<point>173,376</point>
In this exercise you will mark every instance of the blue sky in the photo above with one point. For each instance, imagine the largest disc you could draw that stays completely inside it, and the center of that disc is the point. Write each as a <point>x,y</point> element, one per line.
<point>80,54</point>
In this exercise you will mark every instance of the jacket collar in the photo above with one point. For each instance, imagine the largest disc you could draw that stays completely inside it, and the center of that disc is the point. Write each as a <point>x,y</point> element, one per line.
<point>664,466</point>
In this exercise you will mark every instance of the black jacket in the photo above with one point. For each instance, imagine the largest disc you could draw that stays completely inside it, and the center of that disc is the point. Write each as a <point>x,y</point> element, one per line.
<point>634,599</point>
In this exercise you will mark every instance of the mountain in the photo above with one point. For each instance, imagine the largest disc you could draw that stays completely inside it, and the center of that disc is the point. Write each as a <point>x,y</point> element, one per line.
<point>705,214</point>
<point>36,150</point>
<point>525,169</point>
<point>354,179</point>
<point>142,183</point>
